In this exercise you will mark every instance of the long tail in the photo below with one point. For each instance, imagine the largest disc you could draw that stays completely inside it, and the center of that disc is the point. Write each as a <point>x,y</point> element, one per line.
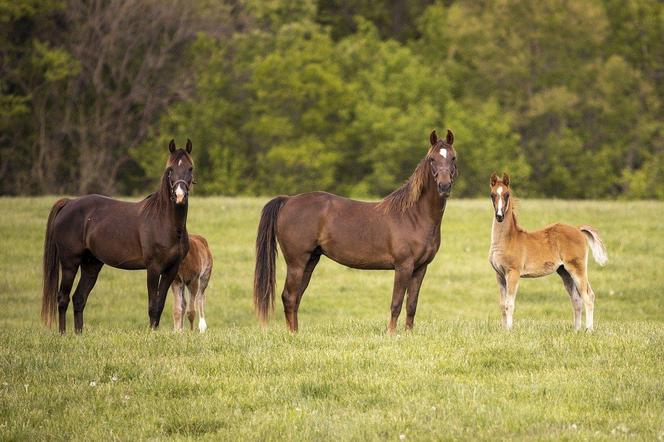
<point>596,244</point>
<point>266,253</point>
<point>51,268</point>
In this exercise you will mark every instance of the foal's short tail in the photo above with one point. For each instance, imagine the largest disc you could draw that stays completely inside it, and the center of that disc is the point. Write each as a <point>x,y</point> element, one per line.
<point>266,253</point>
<point>51,267</point>
<point>596,244</point>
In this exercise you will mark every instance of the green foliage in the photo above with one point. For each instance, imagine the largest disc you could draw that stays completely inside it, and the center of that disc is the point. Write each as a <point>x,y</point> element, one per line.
<point>286,97</point>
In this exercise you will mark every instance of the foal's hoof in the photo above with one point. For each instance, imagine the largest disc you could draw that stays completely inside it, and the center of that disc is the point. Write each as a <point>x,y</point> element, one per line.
<point>202,325</point>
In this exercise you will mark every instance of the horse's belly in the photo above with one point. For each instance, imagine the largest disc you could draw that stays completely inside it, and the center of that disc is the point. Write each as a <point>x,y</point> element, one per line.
<point>358,256</point>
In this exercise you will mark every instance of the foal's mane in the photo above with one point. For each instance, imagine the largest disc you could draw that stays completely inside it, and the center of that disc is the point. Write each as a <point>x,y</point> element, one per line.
<point>410,192</point>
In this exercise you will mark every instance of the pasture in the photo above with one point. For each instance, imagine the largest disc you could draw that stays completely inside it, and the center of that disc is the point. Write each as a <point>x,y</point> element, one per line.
<point>458,375</point>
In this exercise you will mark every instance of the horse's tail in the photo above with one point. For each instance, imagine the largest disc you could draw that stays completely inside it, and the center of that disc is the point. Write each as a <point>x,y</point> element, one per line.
<point>266,253</point>
<point>51,267</point>
<point>596,244</point>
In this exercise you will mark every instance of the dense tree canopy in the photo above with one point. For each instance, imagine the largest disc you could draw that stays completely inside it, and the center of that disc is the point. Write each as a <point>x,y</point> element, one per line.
<point>286,97</point>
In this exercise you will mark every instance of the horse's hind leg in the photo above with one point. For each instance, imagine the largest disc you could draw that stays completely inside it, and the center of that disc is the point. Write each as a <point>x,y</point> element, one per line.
<point>90,268</point>
<point>291,292</point>
<point>575,298</point>
<point>306,277</point>
<point>69,270</point>
<point>178,303</point>
<point>413,293</point>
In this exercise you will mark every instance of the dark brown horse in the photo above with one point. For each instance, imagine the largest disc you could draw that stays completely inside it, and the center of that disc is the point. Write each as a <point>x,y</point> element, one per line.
<point>94,230</point>
<point>402,232</point>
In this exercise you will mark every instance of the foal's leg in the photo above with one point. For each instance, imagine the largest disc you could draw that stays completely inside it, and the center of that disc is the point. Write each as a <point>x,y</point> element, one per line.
<point>200,303</point>
<point>577,269</point>
<point>178,303</point>
<point>69,270</point>
<point>510,298</point>
<point>194,293</point>
<point>413,293</point>
<point>502,286</point>
<point>90,269</point>
<point>574,296</point>
<point>402,277</point>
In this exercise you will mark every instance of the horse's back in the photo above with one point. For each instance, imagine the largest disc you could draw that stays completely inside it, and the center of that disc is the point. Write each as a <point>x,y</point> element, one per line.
<point>106,227</point>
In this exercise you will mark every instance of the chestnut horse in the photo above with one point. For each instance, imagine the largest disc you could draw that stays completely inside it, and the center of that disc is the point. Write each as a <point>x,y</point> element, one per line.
<point>194,273</point>
<point>94,230</point>
<point>401,232</point>
<point>560,248</point>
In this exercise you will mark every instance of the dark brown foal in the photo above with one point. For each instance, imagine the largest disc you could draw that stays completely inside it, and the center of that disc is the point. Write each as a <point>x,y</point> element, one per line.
<point>402,233</point>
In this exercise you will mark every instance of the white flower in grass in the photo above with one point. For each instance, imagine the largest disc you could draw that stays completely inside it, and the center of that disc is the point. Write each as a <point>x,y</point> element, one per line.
<point>573,427</point>
<point>298,409</point>
<point>114,378</point>
<point>93,384</point>
<point>433,408</point>
<point>402,437</point>
<point>126,397</point>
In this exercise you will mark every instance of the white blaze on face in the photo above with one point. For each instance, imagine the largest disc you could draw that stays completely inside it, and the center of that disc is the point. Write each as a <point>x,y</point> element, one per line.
<point>179,193</point>
<point>499,191</point>
<point>180,163</point>
<point>443,152</point>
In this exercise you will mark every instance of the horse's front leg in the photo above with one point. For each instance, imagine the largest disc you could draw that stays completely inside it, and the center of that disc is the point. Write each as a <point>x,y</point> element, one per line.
<point>413,293</point>
<point>167,278</point>
<point>153,294</point>
<point>402,276</point>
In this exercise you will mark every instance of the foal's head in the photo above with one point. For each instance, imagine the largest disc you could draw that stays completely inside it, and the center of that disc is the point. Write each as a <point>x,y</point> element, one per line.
<point>500,195</point>
<point>442,158</point>
<point>180,170</point>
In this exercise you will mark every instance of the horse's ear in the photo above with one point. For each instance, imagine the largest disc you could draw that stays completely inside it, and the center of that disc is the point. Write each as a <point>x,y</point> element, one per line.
<point>494,179</point>
<point>433,138</point>
<point>171,146</point>
<point>506,179</point>
<point>188,145</point>
<point>450,137</point>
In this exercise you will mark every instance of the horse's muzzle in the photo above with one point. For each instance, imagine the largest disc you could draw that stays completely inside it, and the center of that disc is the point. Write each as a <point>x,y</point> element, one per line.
<point>444,189</point>
<point>500,218</point>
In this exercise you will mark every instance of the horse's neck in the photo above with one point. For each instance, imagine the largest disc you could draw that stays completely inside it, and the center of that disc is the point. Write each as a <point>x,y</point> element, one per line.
<point>431,205</point>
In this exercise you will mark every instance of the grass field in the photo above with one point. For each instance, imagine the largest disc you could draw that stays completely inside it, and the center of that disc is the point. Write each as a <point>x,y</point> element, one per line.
<point>456,376</point>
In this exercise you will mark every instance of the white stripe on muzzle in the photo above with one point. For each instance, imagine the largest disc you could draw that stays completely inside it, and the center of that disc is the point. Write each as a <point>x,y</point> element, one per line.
<point>179,194</point>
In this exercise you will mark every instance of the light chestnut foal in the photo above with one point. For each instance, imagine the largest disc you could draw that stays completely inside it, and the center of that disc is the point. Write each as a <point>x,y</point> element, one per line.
<point>560,248</point>
<point>194,273</point>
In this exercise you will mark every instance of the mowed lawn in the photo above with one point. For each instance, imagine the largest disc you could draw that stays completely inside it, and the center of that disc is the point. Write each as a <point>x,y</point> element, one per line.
<point>458,375</point>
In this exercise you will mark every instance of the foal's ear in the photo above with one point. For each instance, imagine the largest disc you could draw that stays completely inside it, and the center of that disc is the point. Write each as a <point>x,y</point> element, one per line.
<point>506,179</point>
<point>494,179</point>
<point>433,138</point>
<point>450,137</point>
<point>171,146</point>
<point>188,145</point>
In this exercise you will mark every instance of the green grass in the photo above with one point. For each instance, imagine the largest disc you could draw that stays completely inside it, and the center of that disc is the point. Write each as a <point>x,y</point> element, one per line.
<point>458,375</point>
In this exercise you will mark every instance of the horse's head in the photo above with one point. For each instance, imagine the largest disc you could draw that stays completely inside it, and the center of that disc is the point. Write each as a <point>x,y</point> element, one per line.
<point>180,170</point>
<point>442,158</point>
<point>500,195</point>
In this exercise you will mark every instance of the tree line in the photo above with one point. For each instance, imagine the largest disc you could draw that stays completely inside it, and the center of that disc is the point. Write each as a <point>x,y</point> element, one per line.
<point>285,97</point>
